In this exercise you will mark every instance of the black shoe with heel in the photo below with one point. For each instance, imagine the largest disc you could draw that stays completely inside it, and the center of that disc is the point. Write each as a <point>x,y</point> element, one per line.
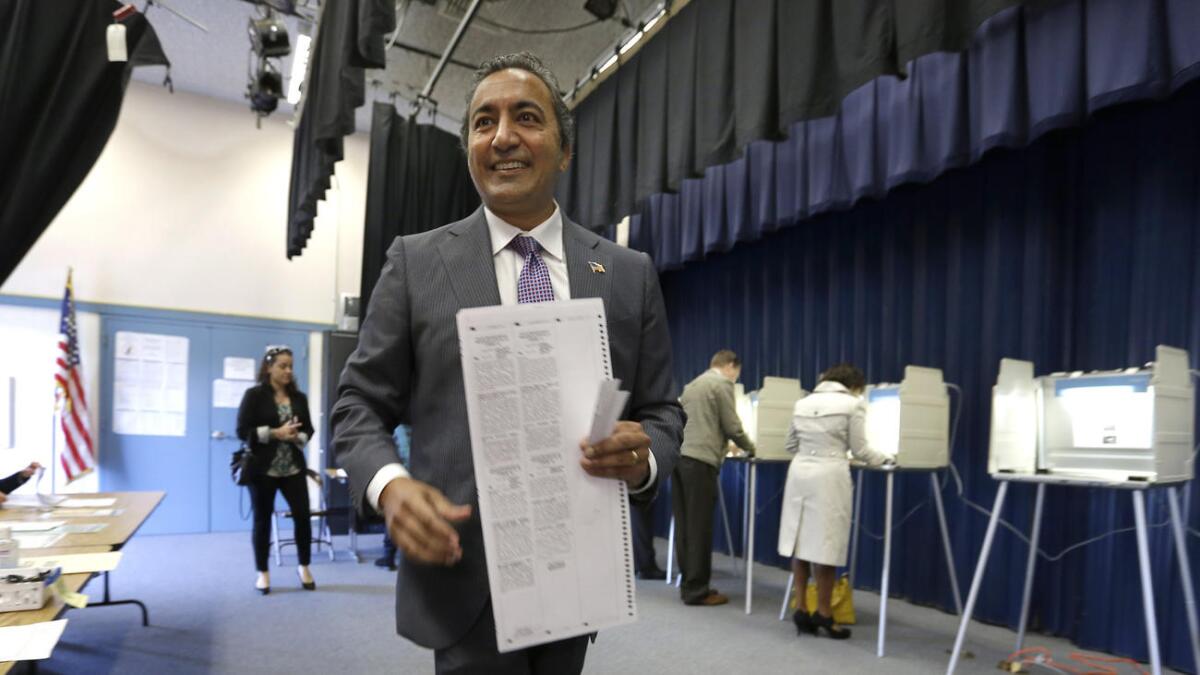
<point>803,621</point>
<point>825,623</point>
<point>306,585</point>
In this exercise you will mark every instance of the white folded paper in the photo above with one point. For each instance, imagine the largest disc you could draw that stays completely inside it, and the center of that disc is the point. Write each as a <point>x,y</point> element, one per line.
<point>33,642</point>
<point>76,563</point>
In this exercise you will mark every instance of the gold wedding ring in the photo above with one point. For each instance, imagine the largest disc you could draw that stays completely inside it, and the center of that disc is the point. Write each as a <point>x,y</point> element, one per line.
<point>635,456</point>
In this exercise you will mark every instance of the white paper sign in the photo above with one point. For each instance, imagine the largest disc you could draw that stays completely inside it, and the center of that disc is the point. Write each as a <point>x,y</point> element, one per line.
<point>558,549</point>
<point>239,368</point>
<point>228,393</point>
<point>150,384</point>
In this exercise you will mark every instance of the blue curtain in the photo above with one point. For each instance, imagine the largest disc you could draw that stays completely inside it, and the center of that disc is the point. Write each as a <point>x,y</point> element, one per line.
<point>1077,252</point>
<point>1030,70</point>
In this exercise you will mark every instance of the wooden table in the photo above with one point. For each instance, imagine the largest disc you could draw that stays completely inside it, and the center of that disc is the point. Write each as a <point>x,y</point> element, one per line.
<point>134,508</point>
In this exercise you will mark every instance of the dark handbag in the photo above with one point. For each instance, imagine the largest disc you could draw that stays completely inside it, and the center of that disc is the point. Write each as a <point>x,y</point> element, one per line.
<point>239,466</point>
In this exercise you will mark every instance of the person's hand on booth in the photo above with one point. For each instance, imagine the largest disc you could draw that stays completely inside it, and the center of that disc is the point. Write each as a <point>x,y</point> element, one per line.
<point>30,470</point>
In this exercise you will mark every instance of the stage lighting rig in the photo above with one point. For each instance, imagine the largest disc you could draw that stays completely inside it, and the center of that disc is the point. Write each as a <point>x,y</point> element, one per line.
<point>268,40</point>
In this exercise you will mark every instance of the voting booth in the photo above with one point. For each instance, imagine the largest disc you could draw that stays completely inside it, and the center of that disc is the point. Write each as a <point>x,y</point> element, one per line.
<point>766,414</point>
<point>910,421</point>
<point>1131,424</point>
<point>1125,430</point>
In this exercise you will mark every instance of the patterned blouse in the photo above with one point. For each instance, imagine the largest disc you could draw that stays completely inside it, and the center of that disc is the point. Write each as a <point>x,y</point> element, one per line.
<point>284,462</point>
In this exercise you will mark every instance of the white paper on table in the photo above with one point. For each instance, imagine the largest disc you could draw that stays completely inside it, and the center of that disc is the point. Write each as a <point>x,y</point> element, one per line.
<point>32,642</point>
<point>559,558</point>
<point>32,525</point>
<point>88,503</point>
<point>28,540</point>
<point>76,563</point>
<point>85,513</point>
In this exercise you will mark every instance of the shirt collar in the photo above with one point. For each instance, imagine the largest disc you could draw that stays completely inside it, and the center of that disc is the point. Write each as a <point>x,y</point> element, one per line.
<point>830,385</point>
<point>548,233</point>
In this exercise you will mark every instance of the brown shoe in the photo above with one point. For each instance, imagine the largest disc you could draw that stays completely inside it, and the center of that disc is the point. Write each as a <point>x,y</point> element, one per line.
<point>711,600</point>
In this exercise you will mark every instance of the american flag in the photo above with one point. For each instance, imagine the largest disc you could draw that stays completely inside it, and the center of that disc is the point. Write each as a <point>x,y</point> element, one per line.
<point>80,455</point>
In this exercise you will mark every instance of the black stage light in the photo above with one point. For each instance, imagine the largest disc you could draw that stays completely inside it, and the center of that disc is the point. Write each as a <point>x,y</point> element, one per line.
<point>265,89</point>
<point>601,9</point>
<point>268,36</point>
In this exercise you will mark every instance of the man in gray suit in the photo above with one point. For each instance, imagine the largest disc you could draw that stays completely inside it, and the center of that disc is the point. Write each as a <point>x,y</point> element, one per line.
<point>712,422</point>
<point>517,247</point>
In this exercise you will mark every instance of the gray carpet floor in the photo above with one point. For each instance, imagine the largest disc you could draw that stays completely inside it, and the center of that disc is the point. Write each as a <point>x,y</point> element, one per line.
<point>206,618</point>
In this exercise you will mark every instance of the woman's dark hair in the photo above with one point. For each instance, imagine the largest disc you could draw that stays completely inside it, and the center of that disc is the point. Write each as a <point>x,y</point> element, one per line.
<point>847,374</point>
<point>264,376</point>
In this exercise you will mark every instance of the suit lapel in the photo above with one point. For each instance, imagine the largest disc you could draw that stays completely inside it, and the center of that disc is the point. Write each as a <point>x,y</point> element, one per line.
<point>467,254</point>
<point>580,248</point>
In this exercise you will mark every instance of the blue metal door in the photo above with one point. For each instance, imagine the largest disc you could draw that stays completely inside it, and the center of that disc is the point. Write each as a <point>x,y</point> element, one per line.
<point>235,348</point>
<point>168,414</point>
<point>154,417</point>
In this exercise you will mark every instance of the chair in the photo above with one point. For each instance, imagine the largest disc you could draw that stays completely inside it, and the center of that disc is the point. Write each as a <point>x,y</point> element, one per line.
<point>321,534</point>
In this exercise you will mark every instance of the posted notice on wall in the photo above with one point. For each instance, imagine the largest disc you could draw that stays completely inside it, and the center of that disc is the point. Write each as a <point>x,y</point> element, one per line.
<point>150,373</point>
<point>558,546</point>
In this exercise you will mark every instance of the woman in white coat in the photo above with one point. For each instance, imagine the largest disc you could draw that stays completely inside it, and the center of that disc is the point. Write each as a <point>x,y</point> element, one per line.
<point>814,529</point>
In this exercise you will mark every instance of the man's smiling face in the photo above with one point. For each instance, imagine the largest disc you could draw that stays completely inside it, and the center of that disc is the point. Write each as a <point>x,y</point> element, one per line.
<point>514,146</point>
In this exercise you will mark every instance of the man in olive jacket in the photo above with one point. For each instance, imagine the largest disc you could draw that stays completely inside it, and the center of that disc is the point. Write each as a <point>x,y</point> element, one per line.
<point>712,421</point>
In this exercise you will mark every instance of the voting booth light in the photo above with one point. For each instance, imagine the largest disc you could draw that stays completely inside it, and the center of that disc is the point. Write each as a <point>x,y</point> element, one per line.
<point>766,414</point>
<point>1130,424</point>
<point>910,421</point>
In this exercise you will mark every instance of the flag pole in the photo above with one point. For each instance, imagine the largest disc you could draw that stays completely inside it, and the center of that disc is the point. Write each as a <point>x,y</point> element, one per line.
<point>54,449</point>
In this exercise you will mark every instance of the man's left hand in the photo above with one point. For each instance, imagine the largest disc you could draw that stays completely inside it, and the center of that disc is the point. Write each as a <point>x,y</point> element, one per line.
<point>624,455</point>
<point>29,470</point>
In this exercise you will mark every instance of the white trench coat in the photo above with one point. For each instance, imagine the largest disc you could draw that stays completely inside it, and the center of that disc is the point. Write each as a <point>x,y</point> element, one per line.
<point>826,425</point>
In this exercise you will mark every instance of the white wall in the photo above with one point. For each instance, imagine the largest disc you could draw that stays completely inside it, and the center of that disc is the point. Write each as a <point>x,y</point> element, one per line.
<point>30,339</point>
<point>186,209</point>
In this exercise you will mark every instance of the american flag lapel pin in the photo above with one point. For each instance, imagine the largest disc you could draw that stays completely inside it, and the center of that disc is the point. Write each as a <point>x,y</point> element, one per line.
<point>596,267</point>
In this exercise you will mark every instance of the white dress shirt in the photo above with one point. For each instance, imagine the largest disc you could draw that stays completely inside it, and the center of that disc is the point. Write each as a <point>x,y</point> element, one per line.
<point>508,263</point>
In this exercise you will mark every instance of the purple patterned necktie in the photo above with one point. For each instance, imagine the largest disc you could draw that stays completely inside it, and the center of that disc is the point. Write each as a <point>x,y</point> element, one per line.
<point>534,283</point>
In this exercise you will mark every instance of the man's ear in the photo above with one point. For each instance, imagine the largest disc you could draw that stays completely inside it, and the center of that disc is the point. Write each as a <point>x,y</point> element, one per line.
<point>565,162</point>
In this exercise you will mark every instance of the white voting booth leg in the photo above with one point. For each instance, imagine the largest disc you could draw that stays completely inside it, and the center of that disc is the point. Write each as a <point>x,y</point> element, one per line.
<point>1027,595</point>
<point>887,560</point>
<point>671,541</point>
<point>728,531</point>
<point>973,594</point>
<point>858,490</point>
<point>1139,515</point>
<point>750,539</point>
<point>787,595</point>
<point>941,514</point>
<point>1185,570</point>
<point>671,552</point>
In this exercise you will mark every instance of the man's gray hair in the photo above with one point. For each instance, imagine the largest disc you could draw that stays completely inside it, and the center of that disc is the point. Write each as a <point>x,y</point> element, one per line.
<point>529,63</point>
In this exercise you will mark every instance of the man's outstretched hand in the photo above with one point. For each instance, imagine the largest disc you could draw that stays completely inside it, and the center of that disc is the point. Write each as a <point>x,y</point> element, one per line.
<point>420,520</point>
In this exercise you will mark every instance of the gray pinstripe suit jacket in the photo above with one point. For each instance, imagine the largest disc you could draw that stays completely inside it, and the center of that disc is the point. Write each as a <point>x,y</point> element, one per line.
<point>406,370</point>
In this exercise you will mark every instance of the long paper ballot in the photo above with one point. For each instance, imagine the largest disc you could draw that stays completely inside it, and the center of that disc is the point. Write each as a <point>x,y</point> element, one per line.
<point>557,540</point>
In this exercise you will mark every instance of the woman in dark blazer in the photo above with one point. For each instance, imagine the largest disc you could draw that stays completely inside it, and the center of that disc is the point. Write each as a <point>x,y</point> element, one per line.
<point>274,423</point>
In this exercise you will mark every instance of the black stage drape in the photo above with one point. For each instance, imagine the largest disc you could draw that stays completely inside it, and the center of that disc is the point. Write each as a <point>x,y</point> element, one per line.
<point>417,181</point>
<point>350,38</point>
<point>1077,253</point>
<point>59,101</point>
<point>724,73</point>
